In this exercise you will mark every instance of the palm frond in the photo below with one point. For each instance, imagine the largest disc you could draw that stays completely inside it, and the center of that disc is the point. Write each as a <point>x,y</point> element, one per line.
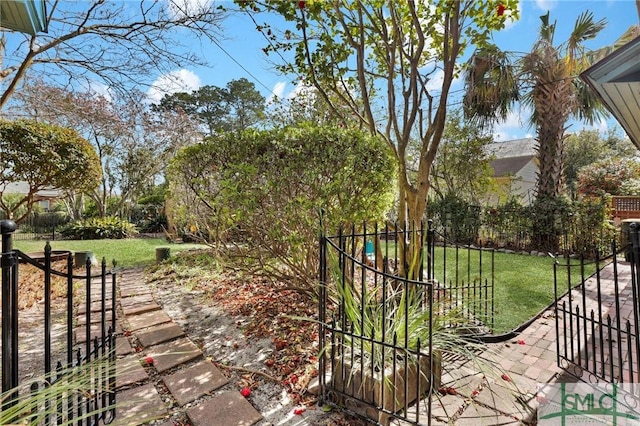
<point>590,109</point>
<point>491,86</point>
<point>585,28</point>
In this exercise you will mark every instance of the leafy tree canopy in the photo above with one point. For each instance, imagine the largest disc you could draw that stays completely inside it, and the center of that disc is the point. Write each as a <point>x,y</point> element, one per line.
<point>612,176</point>
<point>44,156</point>
<point>381,60</point>
<point>462,165</point>
<point>590,146</point>
<point>230,109</point>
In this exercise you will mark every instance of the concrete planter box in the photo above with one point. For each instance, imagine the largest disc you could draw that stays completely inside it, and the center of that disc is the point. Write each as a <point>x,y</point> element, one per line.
<point>378,391</point>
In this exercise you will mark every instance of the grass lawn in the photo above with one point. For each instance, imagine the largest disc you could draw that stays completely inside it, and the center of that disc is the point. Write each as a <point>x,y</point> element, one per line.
<point>127,252</point>
<point>523,285</point>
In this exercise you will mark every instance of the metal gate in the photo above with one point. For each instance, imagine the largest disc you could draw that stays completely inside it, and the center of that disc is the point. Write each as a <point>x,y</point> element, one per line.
<point>597,320</point>
<point>381,333</point>
<point>79,386</point>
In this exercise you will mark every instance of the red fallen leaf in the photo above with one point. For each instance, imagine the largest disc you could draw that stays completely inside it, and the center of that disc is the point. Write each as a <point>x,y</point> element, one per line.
<point>521,342</point>
<point>148,360</point>
<point>452,391</point>
<point>302,4</point>
<point>127,333</point>
<point>245,392</point>
<point>501,9</point>
<point>475,393</point>
<point>293,379</point>
<point>443,391</point>
<point>269,362</point>
<point>299,410</point>
<point>506,378</point>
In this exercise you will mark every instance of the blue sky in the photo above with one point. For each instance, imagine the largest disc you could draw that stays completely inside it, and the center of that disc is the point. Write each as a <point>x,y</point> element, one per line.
<point>240,55</point>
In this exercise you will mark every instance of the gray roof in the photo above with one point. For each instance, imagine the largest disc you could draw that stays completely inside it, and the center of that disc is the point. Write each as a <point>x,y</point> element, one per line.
<point>513,148</point>
<point>23,188</point>
<point>510,166</point>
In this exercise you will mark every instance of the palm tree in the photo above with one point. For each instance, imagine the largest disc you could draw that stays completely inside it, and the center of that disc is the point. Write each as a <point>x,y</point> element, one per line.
<point>546,79</point>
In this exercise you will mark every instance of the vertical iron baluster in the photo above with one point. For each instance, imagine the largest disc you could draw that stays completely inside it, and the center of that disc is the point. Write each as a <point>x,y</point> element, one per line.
<point>611,357</point>
<point>69,310</point>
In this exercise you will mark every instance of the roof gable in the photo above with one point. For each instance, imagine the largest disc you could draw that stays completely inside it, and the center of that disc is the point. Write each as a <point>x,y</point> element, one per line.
<point>512,148</point>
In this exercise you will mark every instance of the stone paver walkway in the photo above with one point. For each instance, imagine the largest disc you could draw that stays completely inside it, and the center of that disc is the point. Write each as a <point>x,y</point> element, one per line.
<point>161,373</point>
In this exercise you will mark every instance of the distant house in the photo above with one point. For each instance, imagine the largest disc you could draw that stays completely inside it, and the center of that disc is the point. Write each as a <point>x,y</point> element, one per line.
<point>45,198</point>
<point>514,170</point>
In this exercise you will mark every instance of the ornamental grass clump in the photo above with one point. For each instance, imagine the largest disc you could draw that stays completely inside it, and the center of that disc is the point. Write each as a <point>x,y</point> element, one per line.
<point>388,323</point>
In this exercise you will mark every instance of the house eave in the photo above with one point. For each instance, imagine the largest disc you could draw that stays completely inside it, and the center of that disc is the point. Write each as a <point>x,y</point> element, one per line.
<point>25,16</point>
<point>616,81</point>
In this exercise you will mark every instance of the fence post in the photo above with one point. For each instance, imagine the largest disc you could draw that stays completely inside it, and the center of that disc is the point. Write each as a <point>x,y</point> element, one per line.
<point>635,243</point>
<point>9,312</point>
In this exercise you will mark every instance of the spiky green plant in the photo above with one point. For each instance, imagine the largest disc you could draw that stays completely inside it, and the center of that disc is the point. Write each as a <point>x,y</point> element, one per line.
<point>39,406</point>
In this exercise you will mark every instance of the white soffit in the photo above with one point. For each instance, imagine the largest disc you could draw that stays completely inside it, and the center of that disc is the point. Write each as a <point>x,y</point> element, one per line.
<point>616,80</point>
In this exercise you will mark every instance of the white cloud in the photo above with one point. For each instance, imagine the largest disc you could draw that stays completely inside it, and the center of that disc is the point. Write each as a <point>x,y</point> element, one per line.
<point>546,5</point>
<point>301,89</point>
<point>98,89</point>
<point>181,80</point>
<point>509,21</point>
<point>436,79</point>
<point>277,92</point>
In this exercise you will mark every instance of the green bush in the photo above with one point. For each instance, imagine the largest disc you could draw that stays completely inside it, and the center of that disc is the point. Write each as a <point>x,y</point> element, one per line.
<point>99,228</point>
<point>257,195</point>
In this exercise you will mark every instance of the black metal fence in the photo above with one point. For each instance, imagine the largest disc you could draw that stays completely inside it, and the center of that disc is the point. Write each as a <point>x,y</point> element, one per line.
<point>598,321</point>
<point>384,325</point>
<point>80,389</point>
<point>40,226</point>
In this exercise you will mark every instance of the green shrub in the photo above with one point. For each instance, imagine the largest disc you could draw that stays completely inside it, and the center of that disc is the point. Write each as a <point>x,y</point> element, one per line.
<point>459,219</point>
<point>257,195</point>
<point>99,228</point>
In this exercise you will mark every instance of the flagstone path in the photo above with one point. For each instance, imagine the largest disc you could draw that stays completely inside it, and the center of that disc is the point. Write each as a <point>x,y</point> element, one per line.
<point>178,368</point>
